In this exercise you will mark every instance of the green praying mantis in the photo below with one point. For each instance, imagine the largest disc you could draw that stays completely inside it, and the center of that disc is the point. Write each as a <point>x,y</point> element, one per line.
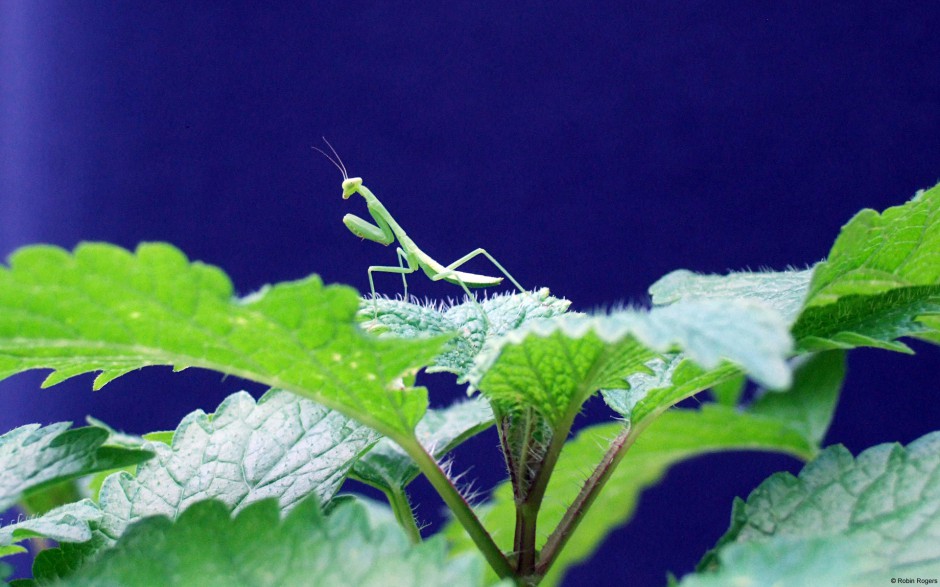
<point>386,231</point>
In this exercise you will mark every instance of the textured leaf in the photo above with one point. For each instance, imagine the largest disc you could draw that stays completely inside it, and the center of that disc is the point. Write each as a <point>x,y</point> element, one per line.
<point>67,523</point>
<point>872,518</point>
<point>387,467</point>
<point>555,365</point>
<point>882,274</point>
<point>106,309</point>
<point>784,291</point>
<point>833,562</point>
<point>675,436</point>
<point>34,457</point>
<point>284,446</point>
<point>504,312</point>
<point>205,547</point>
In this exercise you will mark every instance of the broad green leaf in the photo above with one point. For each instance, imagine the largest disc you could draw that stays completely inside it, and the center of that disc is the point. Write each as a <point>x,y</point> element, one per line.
<point>504,312</point>
<point>33,458</point>
<point>829,561</point>
<point>675,436</point>
<point>67,523</point>
<point>878,253</point>
<point>555,365</point>
<point>784,291</point>
<point>873,518</point>
<point>880,282</point>
<point>284,446</point>
<point>106,309</point>
<point>206,547</point>
<point>809,404</point>
<point>387,467</point>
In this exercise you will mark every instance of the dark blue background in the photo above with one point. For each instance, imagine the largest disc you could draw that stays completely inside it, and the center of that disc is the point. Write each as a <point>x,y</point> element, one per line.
<point>591,147</point>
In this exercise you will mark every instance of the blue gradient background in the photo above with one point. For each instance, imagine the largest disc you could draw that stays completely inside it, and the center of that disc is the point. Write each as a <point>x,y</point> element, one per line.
<point>591,147</point>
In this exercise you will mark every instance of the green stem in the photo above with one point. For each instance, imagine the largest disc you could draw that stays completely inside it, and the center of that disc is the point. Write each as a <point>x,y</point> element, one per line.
<point>459,506</point>
<point>528,509</point>
<point>398,499</point>
<point>589,492</point>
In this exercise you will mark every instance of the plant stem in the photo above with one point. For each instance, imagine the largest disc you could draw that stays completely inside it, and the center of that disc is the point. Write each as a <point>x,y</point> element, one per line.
<point>592,487</point>
<point>527,511</point>
<point>398,499</point>
<point>459,506</point>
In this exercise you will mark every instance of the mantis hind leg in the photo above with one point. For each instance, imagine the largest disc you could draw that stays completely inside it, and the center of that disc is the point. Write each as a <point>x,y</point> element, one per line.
<point>451,272</point>
<point>451,269</point>
<point>401,270</point>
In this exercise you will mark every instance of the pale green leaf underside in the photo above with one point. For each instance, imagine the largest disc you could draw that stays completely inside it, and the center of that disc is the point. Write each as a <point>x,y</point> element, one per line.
<point>206,547</point>
<point>33,457</point>
<point>675,436</point>
<point>555,365</point>
<point>504,312</point>
<point>668,380</point>
<point>880,282</point>
<point>67,523</point>
<point>884,504</point>
<point>784,291</point>
<point>285,447</point>
<point>106,309</point>
<point>387,467</point>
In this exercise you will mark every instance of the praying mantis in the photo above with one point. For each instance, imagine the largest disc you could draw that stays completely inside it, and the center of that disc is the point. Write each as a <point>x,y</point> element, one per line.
<point>386,231</point>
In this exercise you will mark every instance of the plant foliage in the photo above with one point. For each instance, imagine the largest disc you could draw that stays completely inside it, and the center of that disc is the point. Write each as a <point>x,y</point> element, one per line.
<point>248,494</point>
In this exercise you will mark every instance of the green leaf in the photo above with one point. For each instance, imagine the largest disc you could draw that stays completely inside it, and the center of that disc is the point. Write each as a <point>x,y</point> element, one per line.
<point>205,547</point>
<point>668,380</point>
<point>809,404</point>
<point>284,446</point>
<point>505,312</point>
<point>555,365</point>
<point>387,467</point>
<point>729,391</point>
<point>33,458</point>
<point>675,436</point>
<point>880,282</point>
<point>67,523</point>
<point>866,519</point>
<point>784,291</point>
<point>106,309</point>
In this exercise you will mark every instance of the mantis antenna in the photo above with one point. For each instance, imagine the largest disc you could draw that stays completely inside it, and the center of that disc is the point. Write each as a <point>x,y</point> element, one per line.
<point>386,231</point>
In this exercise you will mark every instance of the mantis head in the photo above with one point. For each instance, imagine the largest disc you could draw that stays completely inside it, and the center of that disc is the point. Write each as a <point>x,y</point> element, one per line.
<point>351,186</point>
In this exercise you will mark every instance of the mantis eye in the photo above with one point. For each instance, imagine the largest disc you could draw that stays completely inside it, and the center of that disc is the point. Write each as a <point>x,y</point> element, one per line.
<point>350,186</point>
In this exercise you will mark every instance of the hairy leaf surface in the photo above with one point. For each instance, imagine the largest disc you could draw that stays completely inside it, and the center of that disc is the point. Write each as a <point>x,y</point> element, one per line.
<point>33,457</point>
<point>505,312</point>
<point>555,365</point>
<point>872,518</point>
<point>67,523</point>
<point>785,291</point>
<point>880,282</point>
<point>106,309</point>
<point>387,467</point>
<point>206,547</point>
